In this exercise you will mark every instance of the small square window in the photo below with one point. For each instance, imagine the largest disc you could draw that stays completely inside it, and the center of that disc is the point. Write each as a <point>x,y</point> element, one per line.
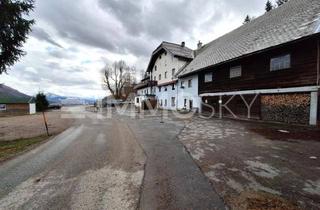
<point>280,62</point>
<point>208,77</point>
<point>3,107</point>
<point>235,72</point>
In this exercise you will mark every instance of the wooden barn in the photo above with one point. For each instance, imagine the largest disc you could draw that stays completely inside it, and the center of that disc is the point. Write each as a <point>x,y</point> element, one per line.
<point>13,102</point>
<point>267,69</point>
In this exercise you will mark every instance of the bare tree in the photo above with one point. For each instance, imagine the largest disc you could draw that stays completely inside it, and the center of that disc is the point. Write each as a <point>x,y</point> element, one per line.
<point>118,78</point>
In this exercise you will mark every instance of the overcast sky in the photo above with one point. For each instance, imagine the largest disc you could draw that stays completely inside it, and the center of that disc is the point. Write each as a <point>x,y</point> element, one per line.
<point>73,40</point>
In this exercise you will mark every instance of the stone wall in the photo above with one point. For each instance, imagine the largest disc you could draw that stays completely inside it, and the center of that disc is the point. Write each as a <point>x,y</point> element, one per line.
<point>287,108</point>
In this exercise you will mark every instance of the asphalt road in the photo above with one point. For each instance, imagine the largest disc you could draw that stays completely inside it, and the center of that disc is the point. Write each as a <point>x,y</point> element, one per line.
<point>103,163</point>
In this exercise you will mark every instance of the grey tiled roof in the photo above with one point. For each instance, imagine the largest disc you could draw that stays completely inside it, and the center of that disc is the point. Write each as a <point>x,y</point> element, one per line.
<point>175,49</point>
<point>178,50</point>
<point>291,21</point>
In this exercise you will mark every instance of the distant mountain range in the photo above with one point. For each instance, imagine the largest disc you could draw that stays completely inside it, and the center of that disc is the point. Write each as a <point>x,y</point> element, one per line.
<point>68,100</point>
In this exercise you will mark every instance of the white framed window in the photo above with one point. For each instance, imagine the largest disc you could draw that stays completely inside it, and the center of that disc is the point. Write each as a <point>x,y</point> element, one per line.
<point>165,102</point>
<point>208,77</point>
<point>3,107</point>
<point>173,101</point>
<point>235,72</point>
<point>182,84</point>
<point>280,62</point>
<point>189,83</point>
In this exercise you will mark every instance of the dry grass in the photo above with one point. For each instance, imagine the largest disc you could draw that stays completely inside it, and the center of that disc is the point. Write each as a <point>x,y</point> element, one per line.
<point>11,148</point>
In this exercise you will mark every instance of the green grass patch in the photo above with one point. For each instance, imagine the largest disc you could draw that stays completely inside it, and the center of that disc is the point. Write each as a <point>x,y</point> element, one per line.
<point>10,148</point>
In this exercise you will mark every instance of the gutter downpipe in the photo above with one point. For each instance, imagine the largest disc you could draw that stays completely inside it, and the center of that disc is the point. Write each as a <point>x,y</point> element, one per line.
<point>318,62</point>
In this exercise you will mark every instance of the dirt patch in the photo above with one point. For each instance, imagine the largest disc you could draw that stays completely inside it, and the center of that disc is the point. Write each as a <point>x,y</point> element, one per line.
<point>289,134</point>
<point>29,126</point>
<point>259,201</point>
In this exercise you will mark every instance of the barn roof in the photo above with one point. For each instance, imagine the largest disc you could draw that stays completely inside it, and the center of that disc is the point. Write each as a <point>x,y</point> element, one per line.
<point>291,21</point>
<point>9,96</point>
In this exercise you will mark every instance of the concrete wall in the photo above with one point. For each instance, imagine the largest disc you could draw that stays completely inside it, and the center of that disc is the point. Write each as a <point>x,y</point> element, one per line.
<point>187,94</point>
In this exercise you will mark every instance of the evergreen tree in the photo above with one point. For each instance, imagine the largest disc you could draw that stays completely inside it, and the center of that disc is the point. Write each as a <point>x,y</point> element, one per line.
<point>41,102</point>
<point>14,28</point>
<point>269,6</point>
<point>280,2</point>
<point>247,19</point>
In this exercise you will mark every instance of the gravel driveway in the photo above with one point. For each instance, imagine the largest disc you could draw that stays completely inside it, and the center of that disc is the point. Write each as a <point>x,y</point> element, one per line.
<point>265,166</point>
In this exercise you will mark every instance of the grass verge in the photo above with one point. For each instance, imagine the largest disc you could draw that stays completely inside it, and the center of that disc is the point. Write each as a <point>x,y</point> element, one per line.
<point>11,148</point>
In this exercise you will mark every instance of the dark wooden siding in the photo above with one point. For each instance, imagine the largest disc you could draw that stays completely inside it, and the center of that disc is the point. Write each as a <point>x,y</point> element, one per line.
<point>256,72</point>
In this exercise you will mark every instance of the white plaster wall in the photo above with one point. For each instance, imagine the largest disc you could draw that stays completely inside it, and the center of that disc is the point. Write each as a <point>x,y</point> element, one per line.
<point>166,64</point>
<point>141,94</point>
<point>167,95</point>
<point>188,93</point>
<point>32,108</point>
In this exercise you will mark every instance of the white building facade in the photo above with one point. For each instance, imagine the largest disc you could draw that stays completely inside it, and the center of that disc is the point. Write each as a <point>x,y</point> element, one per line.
<point>170,91</point>
<point>165,64</point>
<point>188,97</point>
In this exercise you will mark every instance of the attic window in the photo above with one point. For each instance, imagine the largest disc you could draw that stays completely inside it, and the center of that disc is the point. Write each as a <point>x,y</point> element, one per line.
<point>160,57</point>
<point>155,68</point>
<point>280,62</point>
<point>3,107</point>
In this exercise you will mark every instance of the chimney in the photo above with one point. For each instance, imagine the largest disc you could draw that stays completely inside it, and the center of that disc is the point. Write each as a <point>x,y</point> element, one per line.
<point>199,44</point>
<point>183,44</point>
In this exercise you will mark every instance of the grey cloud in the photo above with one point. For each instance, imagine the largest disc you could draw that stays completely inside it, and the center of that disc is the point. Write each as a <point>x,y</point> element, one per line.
<point>42,35</point>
